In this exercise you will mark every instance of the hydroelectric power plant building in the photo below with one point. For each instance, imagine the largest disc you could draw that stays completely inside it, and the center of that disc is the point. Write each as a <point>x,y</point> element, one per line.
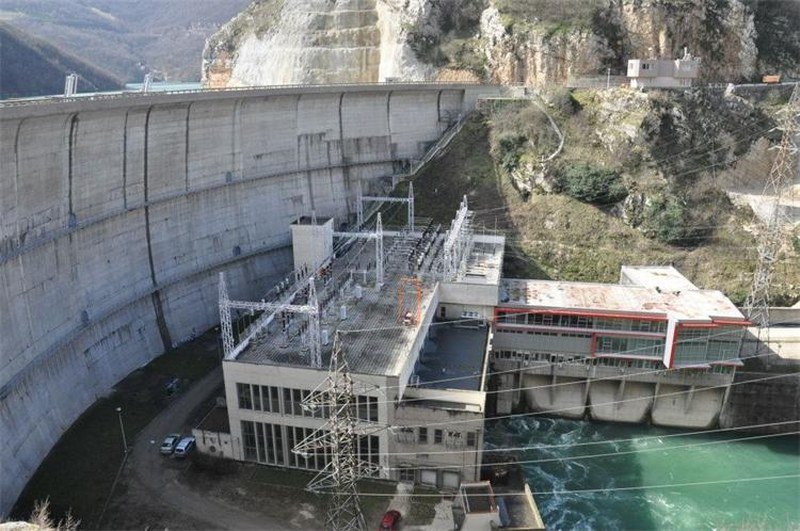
<point>420,379</point>
<point>118,212</point>
<point>425,321</point>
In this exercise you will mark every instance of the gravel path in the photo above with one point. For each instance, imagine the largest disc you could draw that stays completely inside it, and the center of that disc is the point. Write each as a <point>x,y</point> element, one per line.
<point>159,475</point>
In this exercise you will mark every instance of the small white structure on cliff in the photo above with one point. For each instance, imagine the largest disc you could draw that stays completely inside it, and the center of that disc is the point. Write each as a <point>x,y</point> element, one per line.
<point>663,73</point>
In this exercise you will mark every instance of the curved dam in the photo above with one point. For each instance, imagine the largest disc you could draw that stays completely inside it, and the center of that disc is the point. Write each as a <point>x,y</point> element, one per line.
<point>116,212</point>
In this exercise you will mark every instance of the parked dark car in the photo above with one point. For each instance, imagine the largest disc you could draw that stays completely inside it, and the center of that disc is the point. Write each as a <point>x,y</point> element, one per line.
<point>390,520</point>
<point>172,386</point>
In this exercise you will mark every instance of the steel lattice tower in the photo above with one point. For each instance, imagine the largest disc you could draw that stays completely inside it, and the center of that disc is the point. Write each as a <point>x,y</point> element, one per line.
<point>780,177</point>
<point>340,477</point>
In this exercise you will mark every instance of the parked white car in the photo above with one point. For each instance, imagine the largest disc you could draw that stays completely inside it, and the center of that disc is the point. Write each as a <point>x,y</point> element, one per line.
<point>184,447</point>
<point>169,444</point>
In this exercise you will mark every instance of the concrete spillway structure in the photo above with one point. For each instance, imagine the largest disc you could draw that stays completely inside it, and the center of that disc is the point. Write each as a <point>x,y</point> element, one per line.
<point>116,213</point>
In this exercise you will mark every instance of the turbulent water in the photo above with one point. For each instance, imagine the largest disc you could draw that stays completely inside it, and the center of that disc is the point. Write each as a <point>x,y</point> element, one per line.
<point>646,458</point>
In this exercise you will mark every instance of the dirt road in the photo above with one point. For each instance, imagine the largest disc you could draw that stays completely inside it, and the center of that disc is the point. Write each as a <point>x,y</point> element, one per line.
<point>159,475</point>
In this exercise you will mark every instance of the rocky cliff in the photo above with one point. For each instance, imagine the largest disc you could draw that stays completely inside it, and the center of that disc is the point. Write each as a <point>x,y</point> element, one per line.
<point>315,41</point>
<point>530,41</point>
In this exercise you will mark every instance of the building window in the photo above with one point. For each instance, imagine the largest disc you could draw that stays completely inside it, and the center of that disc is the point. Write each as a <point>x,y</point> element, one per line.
<point>249,440</point>
<point>260,442</point>
<point>407,474</point>
<point>423,436</point>
<point>471,438</point>
<point>367,408</point>
<point>297,408</point>
<point>375,451</point>
<point>256,397</point>
<point>265,402</point>
<point>373,408</point>
<point>279,445</point>
<point>287,401</point>
<point>437,437</point>
<point>405,435</point>
<point>245,398</point>
<point>275,399</point>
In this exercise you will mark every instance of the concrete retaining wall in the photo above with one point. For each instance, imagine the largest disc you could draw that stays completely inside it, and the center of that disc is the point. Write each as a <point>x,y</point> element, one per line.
<point>116,213</point>
<point>776,400</point>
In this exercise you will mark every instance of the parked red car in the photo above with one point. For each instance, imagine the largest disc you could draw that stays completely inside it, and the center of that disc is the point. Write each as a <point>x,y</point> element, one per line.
<point>390,520</point>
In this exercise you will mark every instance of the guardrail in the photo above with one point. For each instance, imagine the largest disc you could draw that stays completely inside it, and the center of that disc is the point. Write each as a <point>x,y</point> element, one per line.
<point>121,95</point>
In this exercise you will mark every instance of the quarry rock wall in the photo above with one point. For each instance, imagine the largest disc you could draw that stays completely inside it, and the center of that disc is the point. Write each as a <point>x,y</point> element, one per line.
<point>116,214</point>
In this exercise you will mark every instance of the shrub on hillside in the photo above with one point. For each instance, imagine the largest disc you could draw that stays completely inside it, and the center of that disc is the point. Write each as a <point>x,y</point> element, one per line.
<point>508,150</point>
<point>563,102</point>
<point>666,219</point>
<point>592,184</point>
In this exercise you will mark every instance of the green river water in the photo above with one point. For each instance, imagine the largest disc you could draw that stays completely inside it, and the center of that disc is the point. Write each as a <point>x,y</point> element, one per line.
<point>645,462</point>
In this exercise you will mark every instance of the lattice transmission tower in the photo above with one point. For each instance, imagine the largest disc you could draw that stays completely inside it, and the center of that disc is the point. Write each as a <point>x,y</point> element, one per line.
<point>335,397</point>
<point>784,168</point>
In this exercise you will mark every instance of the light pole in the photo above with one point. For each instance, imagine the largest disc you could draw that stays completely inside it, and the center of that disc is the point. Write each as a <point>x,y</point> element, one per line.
<point>122,429</point>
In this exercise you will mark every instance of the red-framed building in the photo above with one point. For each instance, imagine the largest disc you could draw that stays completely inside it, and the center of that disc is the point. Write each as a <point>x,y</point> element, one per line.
<point>653,316</point>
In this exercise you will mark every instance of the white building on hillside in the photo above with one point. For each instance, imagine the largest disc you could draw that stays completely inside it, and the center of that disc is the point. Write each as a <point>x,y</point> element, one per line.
<point>663,73</point>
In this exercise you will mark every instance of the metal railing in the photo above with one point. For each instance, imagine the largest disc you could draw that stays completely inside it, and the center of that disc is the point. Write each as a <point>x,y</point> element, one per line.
<point>122,95</point>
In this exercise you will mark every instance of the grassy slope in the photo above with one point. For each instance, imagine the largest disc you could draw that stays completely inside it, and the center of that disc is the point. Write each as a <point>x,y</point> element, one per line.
<point>554,236</point>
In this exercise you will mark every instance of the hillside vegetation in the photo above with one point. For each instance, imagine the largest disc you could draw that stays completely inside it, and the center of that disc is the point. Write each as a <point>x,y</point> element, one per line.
<point>579,229</point>
<point>127,37</point>
<point>32,67</point>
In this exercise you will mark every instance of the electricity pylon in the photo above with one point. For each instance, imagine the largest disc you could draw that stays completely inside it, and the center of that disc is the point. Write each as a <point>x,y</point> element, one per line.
<point>336,398</point>
<point>780,177</point>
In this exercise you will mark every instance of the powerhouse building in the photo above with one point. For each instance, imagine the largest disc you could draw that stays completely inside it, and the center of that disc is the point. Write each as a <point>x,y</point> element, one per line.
<point>652,348</point>
<point>415,332</point>
<point>426,321</point>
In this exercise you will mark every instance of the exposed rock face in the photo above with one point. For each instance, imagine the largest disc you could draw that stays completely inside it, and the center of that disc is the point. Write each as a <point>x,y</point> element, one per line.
<point>314,41</point>
<point>537,57</point>
<point>329,41</point>
<point>721,32</point>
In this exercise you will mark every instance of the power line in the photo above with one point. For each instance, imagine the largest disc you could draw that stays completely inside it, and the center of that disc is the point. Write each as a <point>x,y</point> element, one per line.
<point>594,443</point>
<point>615,377</point>
<point>460,378</point>
<point>583,406</point>
<point>596,456</point>
<point>606,490</point>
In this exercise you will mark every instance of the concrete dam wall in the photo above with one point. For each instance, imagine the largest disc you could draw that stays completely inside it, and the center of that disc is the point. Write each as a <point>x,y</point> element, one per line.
<point>117,212</point>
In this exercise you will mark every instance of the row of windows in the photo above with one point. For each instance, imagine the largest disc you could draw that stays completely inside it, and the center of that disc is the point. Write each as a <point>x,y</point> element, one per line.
<point>704,345</point>
<point>286,401</point>
<point>264,443</point>
<point>633,346</point>
<point>423,435</point>
<point>546,357</point>
<point>582,321</point>
<point>542,357</point>
<point>541,333</point>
